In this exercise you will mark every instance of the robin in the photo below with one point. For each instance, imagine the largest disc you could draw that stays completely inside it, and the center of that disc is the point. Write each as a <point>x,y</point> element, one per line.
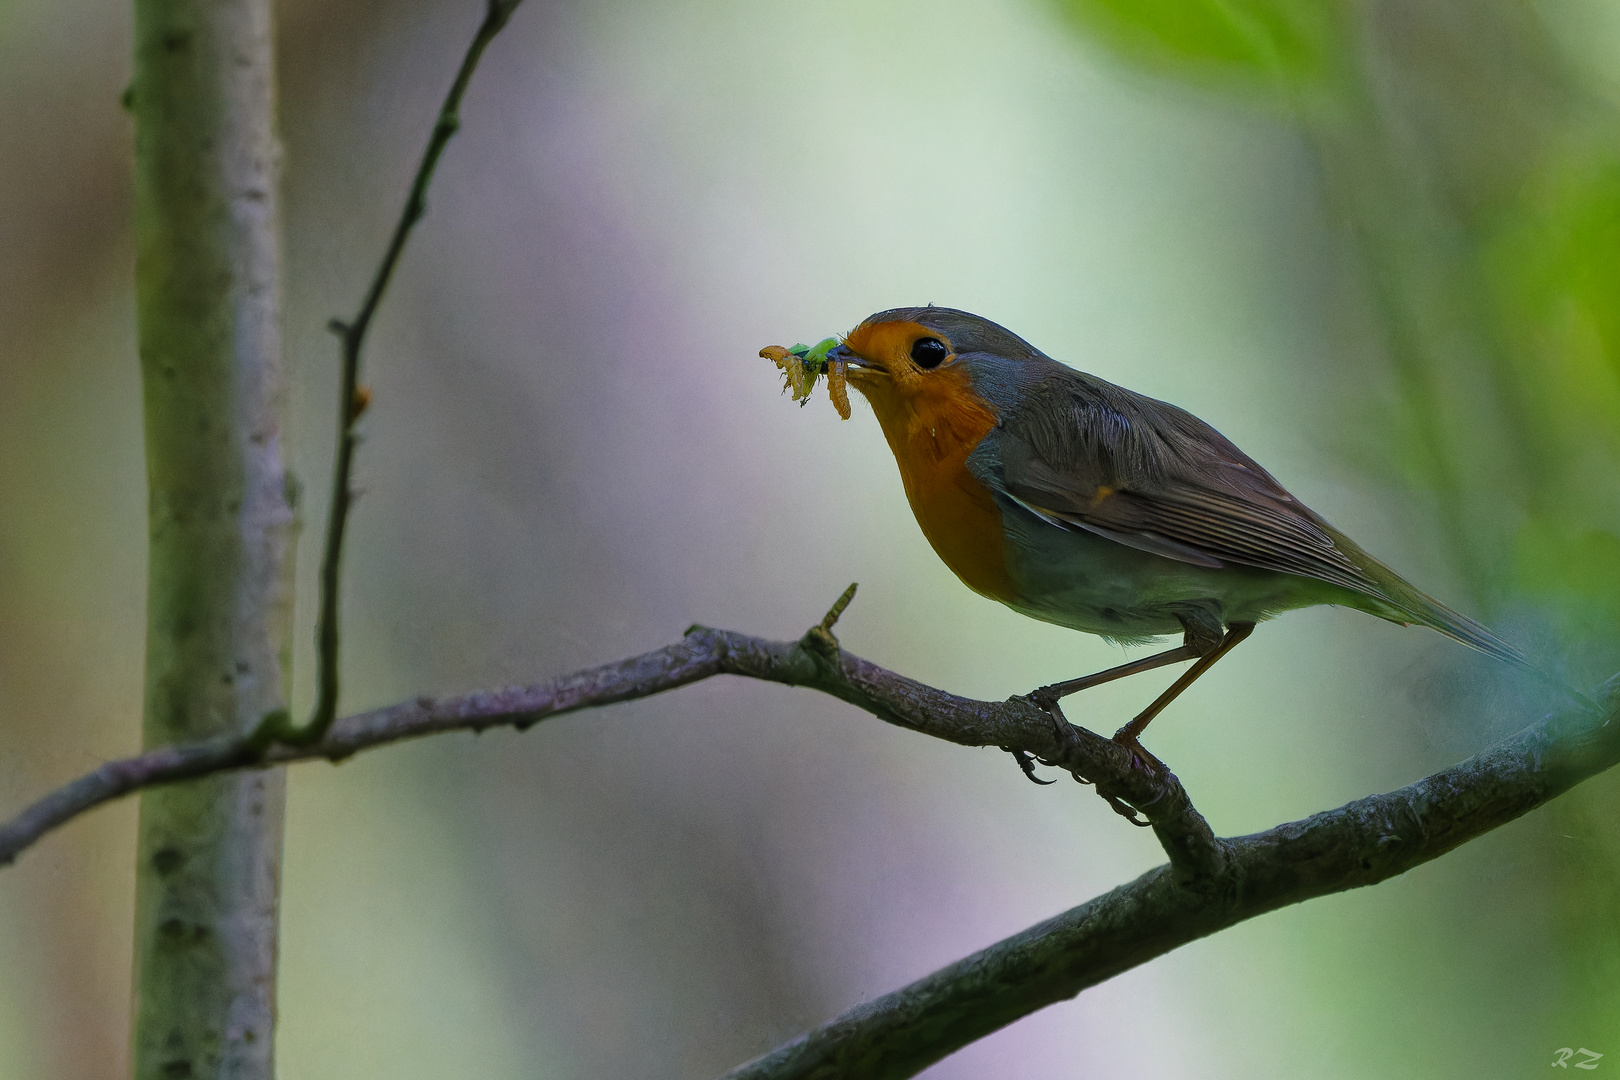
<point>1081,503</point>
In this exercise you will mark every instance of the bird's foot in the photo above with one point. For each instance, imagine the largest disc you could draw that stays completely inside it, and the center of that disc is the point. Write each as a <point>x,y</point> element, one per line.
<point>1046,701</point>
<point>1139,755</point>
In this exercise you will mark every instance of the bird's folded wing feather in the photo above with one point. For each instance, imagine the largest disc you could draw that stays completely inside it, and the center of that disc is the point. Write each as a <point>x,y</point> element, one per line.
<point>1089,455</point>
<point>1084,454</point>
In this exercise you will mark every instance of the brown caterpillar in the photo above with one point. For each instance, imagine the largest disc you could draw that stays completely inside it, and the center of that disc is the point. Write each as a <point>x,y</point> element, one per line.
<point>838,387</point>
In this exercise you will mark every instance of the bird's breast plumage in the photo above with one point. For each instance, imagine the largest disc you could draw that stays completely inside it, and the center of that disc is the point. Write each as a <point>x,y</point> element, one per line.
<point>931,432</point>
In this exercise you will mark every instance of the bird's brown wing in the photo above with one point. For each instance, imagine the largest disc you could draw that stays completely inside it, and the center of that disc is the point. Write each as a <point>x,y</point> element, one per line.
<point>1085,454</point>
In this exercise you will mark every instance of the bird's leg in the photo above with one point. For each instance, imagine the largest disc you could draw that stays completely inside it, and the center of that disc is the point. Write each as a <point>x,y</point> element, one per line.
<point>1047,696</point>
<point>1128,735</point>
<point>1200,636</point>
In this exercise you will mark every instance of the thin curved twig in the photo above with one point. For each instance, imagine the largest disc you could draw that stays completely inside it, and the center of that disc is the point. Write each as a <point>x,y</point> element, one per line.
<point>353,399</point>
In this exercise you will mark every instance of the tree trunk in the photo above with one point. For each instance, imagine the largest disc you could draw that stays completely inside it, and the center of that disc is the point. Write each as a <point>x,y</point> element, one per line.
<point>221,521</point>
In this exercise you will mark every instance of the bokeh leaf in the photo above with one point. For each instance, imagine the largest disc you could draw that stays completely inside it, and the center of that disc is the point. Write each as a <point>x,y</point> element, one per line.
<point>1271,44</point>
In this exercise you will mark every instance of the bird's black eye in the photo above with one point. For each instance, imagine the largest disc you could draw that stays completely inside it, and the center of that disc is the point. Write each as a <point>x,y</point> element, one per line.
<point>929,352</point>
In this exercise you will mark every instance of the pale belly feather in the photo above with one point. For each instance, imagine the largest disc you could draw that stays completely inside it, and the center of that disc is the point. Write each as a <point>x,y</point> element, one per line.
<point>1093,584</point>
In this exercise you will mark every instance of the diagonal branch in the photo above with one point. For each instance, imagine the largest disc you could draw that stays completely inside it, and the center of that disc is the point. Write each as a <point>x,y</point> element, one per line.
<point>1209,884</point>
<point>1361,843</point>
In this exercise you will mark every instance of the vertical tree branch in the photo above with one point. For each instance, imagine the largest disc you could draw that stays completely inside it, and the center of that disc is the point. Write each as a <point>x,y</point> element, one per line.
<point>221,522</point>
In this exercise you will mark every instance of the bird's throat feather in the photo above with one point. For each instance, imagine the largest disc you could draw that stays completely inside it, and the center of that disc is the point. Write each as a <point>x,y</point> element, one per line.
<point>932,425</point>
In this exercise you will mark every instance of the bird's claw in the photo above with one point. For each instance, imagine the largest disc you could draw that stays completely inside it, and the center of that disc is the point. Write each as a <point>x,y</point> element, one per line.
<point>1027,763</point>
<point>1125,811</point>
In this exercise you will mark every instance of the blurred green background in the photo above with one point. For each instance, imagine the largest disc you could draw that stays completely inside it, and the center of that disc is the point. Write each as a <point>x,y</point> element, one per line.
<point>1376,243</point>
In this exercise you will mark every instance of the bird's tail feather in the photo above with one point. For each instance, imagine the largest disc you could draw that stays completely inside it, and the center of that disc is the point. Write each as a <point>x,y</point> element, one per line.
<point>1419,607</point>
<point>1430,612</point>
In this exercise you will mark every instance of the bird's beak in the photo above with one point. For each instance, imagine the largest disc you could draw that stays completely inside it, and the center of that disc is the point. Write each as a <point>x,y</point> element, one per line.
<point>855,360</point>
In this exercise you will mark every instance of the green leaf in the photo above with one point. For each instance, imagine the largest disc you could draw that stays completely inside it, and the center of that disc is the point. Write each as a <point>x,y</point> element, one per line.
<point>1274,44</point>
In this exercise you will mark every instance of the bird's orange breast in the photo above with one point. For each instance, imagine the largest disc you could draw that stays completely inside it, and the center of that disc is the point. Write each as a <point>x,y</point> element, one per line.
<point>932,425</point>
